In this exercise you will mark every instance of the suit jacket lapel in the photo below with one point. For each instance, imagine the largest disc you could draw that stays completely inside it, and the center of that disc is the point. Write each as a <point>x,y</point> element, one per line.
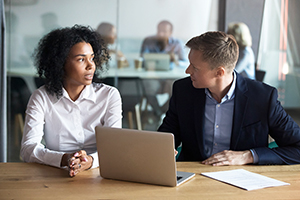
<point>199,112</point>
<point>240,103</point>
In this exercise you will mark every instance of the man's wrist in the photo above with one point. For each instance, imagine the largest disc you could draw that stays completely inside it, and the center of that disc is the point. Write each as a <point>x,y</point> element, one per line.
<point>254,155</point>
<point>247,156</point>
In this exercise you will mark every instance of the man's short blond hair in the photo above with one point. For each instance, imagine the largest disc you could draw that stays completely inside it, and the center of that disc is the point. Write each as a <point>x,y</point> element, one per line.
<point>218,49</point>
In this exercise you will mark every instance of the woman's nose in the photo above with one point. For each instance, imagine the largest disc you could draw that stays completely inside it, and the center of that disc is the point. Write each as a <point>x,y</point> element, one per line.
<point>90,64</point>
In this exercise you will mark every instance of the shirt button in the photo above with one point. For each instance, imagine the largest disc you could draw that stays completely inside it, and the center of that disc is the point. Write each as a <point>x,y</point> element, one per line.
<point>217,126</point>
<point>215,144</point>
<point>219,105</point>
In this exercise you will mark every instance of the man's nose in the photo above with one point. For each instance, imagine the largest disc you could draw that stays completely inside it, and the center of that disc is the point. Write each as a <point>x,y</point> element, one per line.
<point>187,71</point>
<point>161,34</point>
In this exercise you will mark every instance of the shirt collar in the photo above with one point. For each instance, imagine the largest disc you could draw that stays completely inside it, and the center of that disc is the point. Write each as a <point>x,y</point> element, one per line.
<point>170,40</point>
<point>230,93</point>
<point>87,93</point>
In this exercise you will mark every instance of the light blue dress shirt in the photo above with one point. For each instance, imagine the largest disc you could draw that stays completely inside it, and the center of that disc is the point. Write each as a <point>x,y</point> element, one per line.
<point>218,122</point>
<point>174,45</point>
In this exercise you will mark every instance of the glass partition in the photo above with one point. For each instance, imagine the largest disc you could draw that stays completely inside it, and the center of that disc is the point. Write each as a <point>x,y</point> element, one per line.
<point>279,52</point>
<point>145,93</point>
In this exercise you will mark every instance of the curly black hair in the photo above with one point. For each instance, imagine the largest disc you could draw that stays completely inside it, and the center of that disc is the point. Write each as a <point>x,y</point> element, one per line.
<point>53,49</point>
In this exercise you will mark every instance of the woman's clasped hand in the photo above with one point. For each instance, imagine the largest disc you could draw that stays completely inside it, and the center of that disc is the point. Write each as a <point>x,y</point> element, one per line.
<point>77,162</point>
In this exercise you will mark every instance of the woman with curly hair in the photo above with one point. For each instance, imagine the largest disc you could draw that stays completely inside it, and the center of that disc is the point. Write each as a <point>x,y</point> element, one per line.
<point>65,111</point>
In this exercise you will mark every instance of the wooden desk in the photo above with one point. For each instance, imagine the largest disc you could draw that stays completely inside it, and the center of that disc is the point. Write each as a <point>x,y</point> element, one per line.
<point>34,181</point>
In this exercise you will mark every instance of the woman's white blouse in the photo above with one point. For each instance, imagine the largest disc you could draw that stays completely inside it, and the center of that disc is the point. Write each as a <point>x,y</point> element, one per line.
<point>68,126</point>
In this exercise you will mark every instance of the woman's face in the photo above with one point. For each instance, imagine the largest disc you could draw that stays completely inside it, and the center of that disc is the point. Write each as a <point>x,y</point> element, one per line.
<point>79,67</point>
<point>110,38</point>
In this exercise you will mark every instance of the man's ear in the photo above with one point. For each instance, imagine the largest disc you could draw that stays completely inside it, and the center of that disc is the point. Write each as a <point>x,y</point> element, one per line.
<point>220,71</point>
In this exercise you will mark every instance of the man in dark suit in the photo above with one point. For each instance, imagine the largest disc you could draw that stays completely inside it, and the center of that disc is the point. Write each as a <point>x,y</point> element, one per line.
<point>221,118</point>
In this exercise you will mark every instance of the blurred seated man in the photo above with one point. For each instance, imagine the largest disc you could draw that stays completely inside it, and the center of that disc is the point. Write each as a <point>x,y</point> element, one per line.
<point>163,42</point>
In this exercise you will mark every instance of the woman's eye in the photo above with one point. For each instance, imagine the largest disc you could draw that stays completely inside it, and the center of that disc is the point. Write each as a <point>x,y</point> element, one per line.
<point>81,59</point>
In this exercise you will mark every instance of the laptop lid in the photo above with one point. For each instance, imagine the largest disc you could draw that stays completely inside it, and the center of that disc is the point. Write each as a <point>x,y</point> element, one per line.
<point>156,61</point>
<point>138,156</point>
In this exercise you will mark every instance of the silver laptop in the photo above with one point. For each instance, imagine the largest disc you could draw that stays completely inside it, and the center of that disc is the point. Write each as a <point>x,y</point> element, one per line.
<point>138,156</point>
<point>156,61</point>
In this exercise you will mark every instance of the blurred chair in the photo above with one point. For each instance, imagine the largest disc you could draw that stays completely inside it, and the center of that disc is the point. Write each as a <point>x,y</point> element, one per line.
<point>260,75</point>
<point>157,94</point>
<point>19,96</point>
<point>272,143</point>
<point>132,94</point>
<point>18,127</point>
<point>39,82</point>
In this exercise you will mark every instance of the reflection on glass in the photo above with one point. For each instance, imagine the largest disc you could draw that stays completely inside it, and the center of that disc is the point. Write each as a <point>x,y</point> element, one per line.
<point>109,33</point>
<point>49,22</point>
<point>130,23</point>
<point>17,54</point>
<point>278,52</point>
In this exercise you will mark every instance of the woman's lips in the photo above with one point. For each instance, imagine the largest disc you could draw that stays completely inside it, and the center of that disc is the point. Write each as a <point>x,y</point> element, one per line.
<point>89,76</point>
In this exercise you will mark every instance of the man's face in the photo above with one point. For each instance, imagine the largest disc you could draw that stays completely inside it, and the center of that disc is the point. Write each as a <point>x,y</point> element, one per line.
<point>200,72</point>
<point>164,31</point>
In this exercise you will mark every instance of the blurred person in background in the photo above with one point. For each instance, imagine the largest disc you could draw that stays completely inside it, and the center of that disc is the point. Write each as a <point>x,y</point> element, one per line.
<point>109,34</point>
<point>246,61</point>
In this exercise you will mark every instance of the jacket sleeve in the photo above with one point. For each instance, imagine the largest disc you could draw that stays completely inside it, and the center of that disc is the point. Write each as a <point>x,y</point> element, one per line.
<point>286,133</point>
<point>171,123</point>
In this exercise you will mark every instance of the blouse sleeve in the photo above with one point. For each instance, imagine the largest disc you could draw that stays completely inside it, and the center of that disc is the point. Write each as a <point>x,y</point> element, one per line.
<point>32,149</point>
<point>113,117</point>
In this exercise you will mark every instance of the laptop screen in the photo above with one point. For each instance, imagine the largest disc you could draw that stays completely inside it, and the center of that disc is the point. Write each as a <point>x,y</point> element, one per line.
<point>156,61</point>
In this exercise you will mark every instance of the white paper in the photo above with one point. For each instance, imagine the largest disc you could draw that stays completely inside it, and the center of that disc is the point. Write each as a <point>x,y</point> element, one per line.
<point>244,179</point>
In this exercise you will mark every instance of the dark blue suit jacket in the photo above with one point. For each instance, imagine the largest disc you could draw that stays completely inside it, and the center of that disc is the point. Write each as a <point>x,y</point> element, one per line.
<point>257,113</point>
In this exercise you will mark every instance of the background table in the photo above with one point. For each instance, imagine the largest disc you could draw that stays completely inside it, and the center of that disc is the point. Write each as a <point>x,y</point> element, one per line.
<point>29,73</point>
<point>35,181</point>
<point>136,86</point>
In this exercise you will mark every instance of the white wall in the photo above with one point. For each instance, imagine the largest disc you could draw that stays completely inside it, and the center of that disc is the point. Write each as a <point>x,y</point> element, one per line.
<point>189,17</point>
<point>134,19</point>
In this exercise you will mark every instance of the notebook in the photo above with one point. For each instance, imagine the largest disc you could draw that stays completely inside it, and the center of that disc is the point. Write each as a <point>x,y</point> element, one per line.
<point>138,156</point>
<point>156,61</point>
